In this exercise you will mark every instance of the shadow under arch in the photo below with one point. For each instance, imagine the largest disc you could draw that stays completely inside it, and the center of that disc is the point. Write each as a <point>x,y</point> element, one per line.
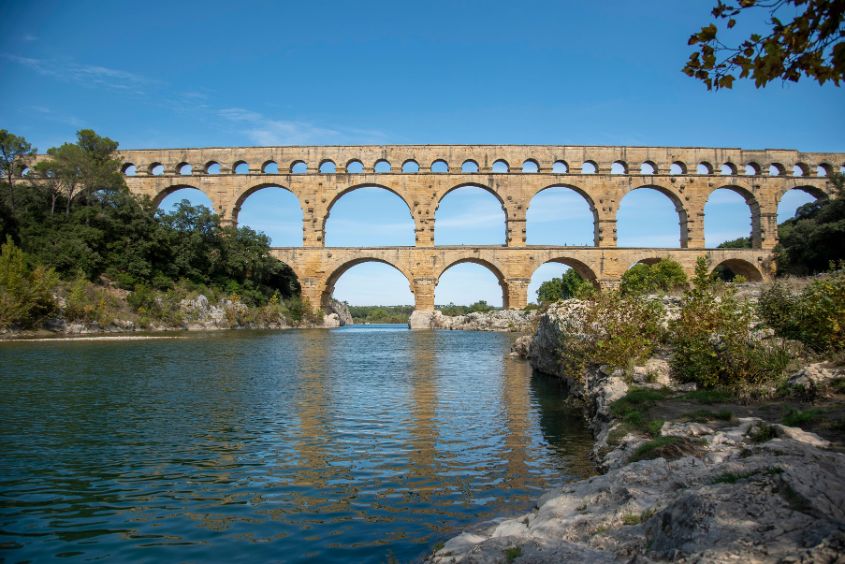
<point>331,281</point>
<point>675,198</point>
<point>753,206</point>
<point>350,189</point>
<point>741,267</point>
<point>500,278</point>
<point>162,194</point>
<point>581,192</point>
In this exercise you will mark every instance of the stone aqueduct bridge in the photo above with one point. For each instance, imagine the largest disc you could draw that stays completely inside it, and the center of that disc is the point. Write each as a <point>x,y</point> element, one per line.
<point>423,175</point>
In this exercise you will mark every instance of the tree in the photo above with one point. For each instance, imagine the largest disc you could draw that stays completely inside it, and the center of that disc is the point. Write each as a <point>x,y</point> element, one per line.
<point>14,152</point>
<point>82,167</point>
<point>25,293</point>
<point>810,44</point>
<point>815,237</point>
<point>569,285</point>
<point>662,276</point>
<point>740,243</point>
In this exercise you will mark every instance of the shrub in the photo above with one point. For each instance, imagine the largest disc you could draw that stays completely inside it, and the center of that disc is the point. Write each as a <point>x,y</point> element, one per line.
<point>796,417</point>
<point>569,285</point>
<point>617,331</point>
<point>26,294</point>
<point>88,302</point>
<point>816,316</point>
<point>712,339</point>
<point>298,310</point>
<point>663,276</point>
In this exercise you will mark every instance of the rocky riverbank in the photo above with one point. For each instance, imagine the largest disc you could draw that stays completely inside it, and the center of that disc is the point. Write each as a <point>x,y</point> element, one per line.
<point>683,480</point>
<point>194,314</point>
<point>505,320</point>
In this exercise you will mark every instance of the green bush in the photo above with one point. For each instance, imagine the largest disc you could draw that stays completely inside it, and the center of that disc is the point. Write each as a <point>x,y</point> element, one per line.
<point>663,276</point>
<point>816,316</point>
<point>712,340</point>
<point>813,238</point>
<point>26,294</point>
<point>616,330</point>
<point>569,285</point>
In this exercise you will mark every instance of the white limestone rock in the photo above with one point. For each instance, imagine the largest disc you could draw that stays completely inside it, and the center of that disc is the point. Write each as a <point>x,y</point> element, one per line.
<point>420,320</point>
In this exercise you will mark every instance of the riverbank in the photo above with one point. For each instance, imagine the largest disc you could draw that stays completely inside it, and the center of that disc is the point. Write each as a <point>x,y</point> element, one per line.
<point>502,320</point>
<point>196,313</point>
<point>689,474</point>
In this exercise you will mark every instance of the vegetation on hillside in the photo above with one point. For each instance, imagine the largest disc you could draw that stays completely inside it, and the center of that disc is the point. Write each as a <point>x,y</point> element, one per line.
<point>811,240</point>
<point>815,236</point>
<point>75,222</point>
<point>713,340</point>
<point>815,316</point>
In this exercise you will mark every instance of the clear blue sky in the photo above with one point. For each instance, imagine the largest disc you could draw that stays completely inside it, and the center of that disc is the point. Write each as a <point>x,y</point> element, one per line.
<point>174,74</point>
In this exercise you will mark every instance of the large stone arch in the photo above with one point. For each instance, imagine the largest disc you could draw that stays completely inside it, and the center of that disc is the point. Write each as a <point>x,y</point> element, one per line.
<point>581,268</point>
<point>815,191</point>
<point>242,197</point>
<point>165,192</point>
<point>441,195</point>
<point>339,270</point>
<point>497,272</point>
<point>754,208</point>
<point>677,200</point>
<point>581,192</point>
<point>584,270</point>
<point>741,267</point>
<point>349,189</point>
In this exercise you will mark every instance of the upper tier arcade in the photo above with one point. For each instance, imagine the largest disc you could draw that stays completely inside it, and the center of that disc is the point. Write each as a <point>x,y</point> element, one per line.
<point>423,174</point>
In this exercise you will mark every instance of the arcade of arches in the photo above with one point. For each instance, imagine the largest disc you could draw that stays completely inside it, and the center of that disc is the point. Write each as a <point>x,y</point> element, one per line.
<point>423,175</point>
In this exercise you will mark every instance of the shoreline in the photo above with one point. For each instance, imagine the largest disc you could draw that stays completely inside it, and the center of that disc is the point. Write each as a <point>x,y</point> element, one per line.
<point>713,481</point>
<point>504,321</point>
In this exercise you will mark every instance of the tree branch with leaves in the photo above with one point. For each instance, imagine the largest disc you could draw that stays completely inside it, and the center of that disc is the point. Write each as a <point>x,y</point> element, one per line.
<point>811,44</point>
<point>15,151</point>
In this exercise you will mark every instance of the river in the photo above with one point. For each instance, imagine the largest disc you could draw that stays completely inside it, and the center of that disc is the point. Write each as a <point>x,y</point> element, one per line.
<point>360,444</point>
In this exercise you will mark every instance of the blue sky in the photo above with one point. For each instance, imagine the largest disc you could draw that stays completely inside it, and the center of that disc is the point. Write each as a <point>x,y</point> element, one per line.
<point>176,74</point>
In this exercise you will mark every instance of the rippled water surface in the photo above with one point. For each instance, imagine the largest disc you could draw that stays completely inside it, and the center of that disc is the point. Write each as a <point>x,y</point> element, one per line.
<point>357,444</point>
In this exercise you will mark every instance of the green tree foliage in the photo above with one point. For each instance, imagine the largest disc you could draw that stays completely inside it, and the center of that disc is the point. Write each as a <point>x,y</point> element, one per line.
<point>25,293</point>
<point>481,306</point>
<point>110,233</point>
<point>815,316</point>
<point>741,243</point>
<point>381,314</point>
<point>712,342</point>
<point>84,167</point>
<point>569,285</point>
<point>14,153</point>
<point>815,236</point>
<point>803,38</point>
<point>663,276</point>
<point>614,330</point>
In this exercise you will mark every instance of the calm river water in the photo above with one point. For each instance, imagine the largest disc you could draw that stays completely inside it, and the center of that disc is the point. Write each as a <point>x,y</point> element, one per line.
<point>360,444</point>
